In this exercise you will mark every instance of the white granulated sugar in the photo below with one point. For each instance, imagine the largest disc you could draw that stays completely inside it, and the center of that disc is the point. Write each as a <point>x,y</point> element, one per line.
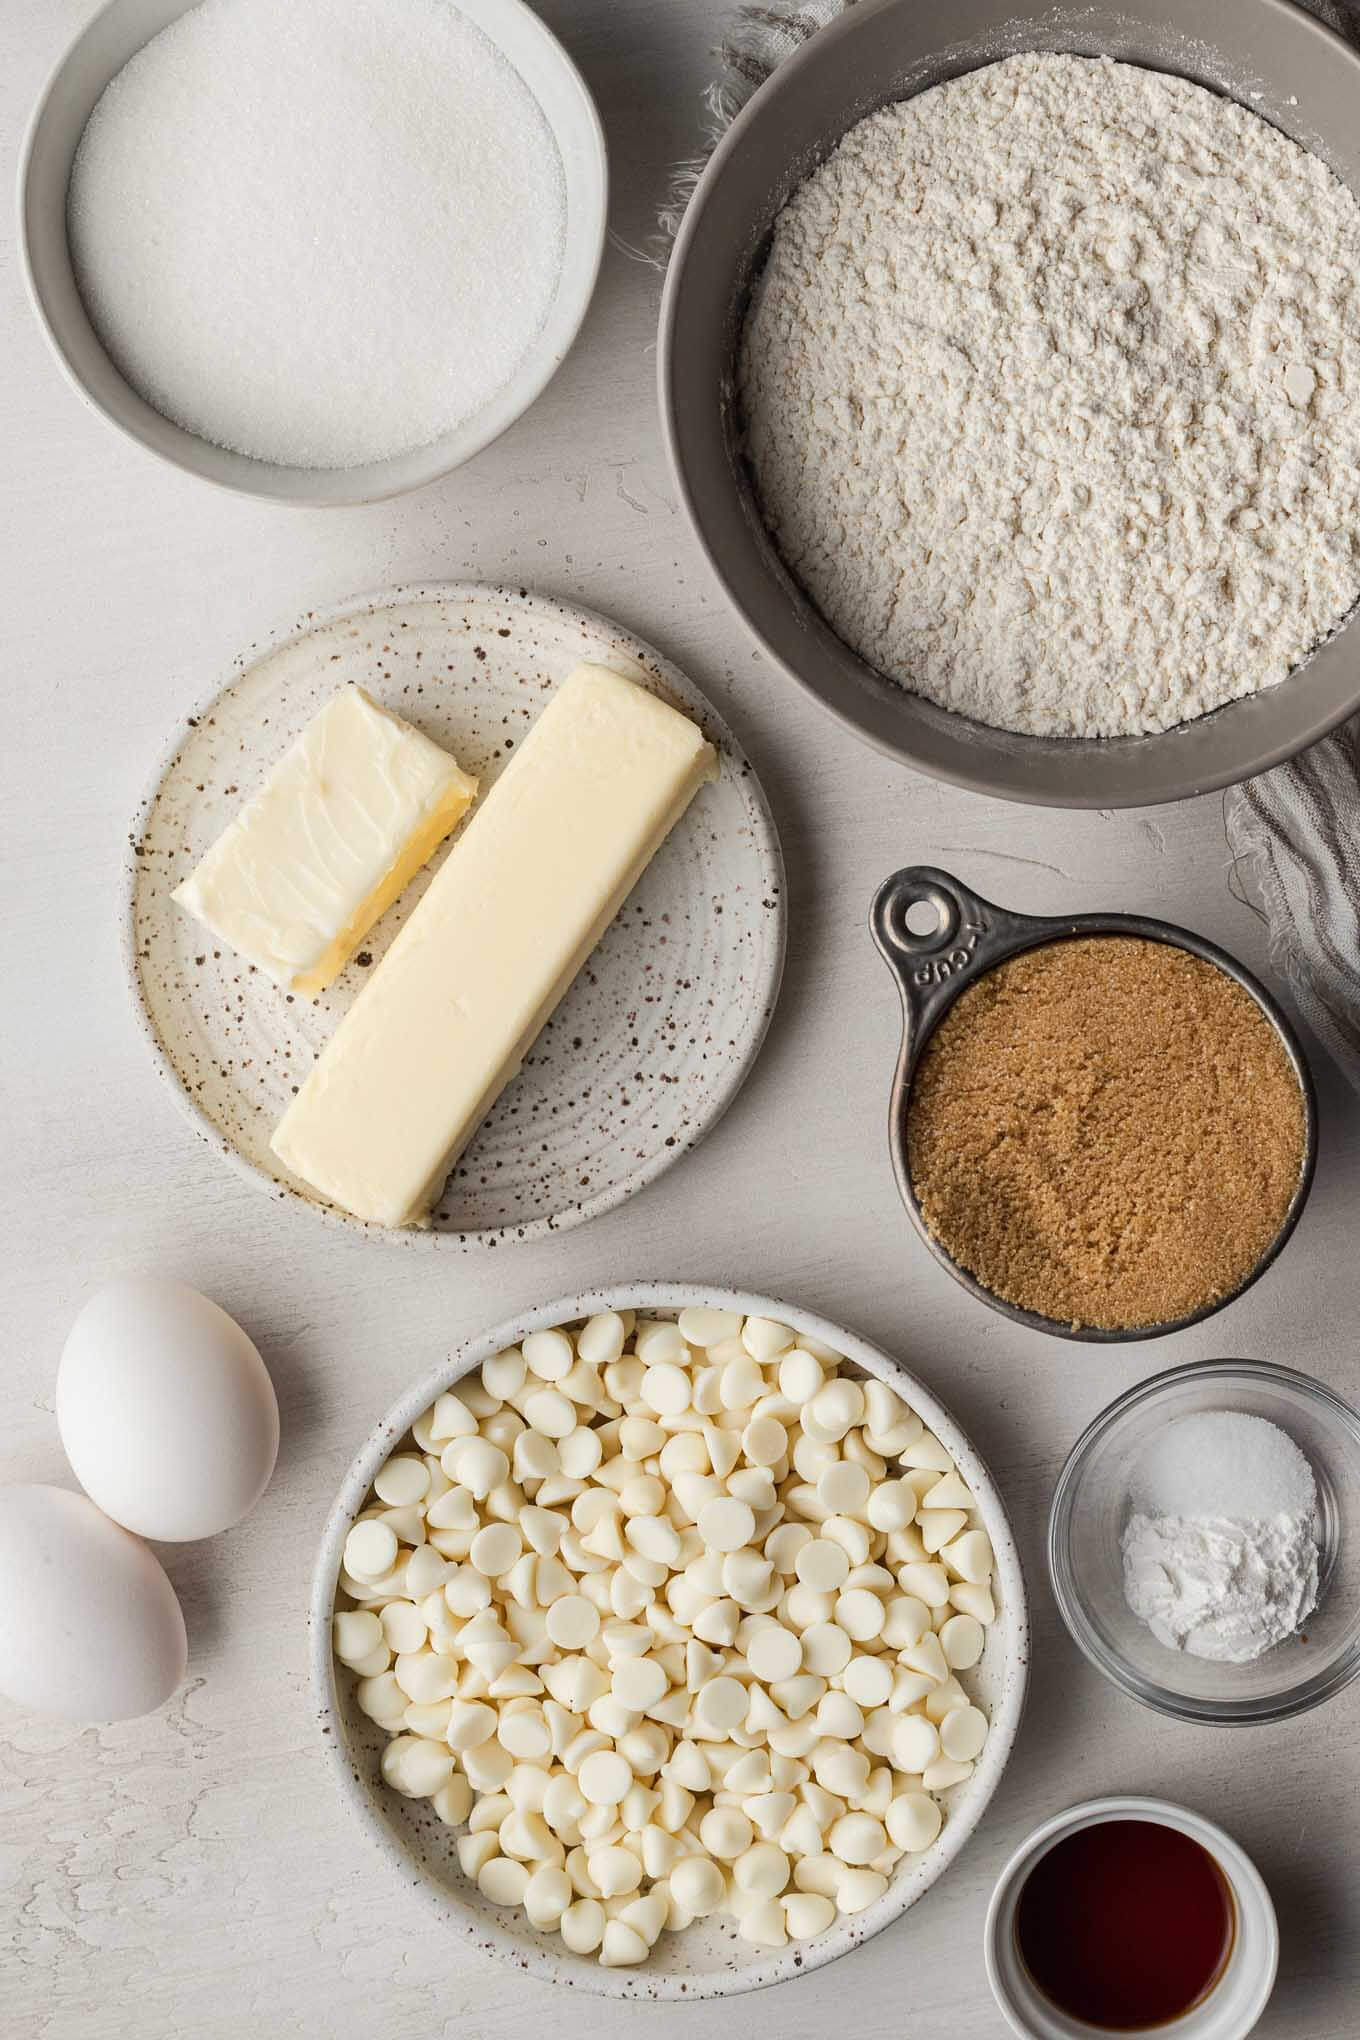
<point>1224,1463</point>
<point>320,232</point>
<point>1221,1554</point>
<point>1051,391</point>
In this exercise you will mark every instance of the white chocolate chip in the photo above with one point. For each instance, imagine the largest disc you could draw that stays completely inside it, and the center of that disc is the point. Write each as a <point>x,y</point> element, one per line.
<point>806,1914</point>
<point>726,1524</point>
<point>583,1926</point>
<point>914,1742</point>
<point>858,1889</point>
<point>826,1649</point>
<point>604,1777</point>
<point>944,1772</point>
<point>725,1832</point>
<point>822,1565</point>
<point>962,1734</point>
<point>702,1327</point>
<point>913,1820</point>
<point>416,1767</point>
<point>764,1338</point>
<point>970,1556</point>
<point>774,1652</point>
<point>857,1838</point>
<point>962,1640</point>
<point>370,1550</point>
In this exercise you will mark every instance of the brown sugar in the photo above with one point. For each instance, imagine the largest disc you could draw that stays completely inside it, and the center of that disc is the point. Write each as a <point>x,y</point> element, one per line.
<point>1107,1131</point>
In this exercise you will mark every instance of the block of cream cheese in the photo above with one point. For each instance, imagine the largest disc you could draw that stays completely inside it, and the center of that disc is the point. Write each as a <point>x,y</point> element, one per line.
<point>526,893</point>
<point>342,824</point>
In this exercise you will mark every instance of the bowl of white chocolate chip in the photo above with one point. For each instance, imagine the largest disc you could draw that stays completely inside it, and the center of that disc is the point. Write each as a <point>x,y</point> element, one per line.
<point>672,1645</point>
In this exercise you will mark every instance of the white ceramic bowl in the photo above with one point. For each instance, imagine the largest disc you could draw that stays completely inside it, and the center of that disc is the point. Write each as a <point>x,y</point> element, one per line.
<point>1237,2000</point>
<point>96,56</point>
<point>707,1960</point>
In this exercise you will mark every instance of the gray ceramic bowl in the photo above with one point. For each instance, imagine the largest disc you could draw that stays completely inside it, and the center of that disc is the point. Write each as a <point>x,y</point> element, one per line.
<point>707,1960</point>
<point>96,56</point>
<point>1268,54</point>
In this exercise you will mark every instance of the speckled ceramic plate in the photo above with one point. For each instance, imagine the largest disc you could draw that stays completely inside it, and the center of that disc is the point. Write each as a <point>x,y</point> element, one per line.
<point>652,1041</point>
<point>708,1959</point>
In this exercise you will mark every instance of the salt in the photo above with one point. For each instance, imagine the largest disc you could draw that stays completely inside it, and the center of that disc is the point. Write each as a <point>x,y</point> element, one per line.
<point>1224,1463</point>
<point>319,233</point>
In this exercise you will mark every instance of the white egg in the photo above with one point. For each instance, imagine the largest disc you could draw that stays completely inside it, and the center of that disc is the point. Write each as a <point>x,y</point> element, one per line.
<point>165,1409</point>
<point>89,1624</point>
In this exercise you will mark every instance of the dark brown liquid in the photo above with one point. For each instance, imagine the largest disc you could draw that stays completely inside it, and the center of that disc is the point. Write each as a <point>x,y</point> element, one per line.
<point>1125,1924</point>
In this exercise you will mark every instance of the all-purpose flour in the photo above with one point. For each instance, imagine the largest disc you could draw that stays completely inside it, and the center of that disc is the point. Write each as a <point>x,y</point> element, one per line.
<point>1051,391</point>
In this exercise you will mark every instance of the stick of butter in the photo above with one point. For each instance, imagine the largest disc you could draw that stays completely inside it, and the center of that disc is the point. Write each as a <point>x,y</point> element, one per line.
<point>526,893</point>
<point>342,824</point>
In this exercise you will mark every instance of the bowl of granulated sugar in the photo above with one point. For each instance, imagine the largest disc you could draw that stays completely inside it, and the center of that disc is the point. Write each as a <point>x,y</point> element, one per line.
<point>320,253</point>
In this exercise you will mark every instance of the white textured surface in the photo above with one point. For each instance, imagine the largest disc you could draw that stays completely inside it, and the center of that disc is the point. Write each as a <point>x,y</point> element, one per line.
<point>195,1873</point>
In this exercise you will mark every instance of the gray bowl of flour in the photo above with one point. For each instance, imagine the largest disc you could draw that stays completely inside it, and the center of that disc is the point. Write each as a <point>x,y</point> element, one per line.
<point>1125,687</point>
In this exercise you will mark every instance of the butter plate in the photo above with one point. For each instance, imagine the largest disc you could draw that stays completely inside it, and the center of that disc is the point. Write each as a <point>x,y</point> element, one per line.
<point>652,1041</point>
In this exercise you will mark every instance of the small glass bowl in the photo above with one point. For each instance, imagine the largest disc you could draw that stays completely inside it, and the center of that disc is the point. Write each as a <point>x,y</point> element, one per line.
<point>1091,1505</point>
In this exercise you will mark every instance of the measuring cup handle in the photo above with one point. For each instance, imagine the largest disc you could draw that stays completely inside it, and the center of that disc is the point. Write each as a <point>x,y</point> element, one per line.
<point>970,934</point>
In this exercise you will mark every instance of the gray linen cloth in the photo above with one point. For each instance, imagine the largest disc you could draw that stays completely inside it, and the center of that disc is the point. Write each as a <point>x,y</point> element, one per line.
<point>1295,831</point>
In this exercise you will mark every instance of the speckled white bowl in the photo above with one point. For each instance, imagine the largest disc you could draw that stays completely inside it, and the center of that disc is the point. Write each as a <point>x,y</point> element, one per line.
<point>707,1960</point>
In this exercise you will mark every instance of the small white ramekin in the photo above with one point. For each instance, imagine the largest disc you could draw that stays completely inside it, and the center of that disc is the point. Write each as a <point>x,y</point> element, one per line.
<point>1237,2000</point>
